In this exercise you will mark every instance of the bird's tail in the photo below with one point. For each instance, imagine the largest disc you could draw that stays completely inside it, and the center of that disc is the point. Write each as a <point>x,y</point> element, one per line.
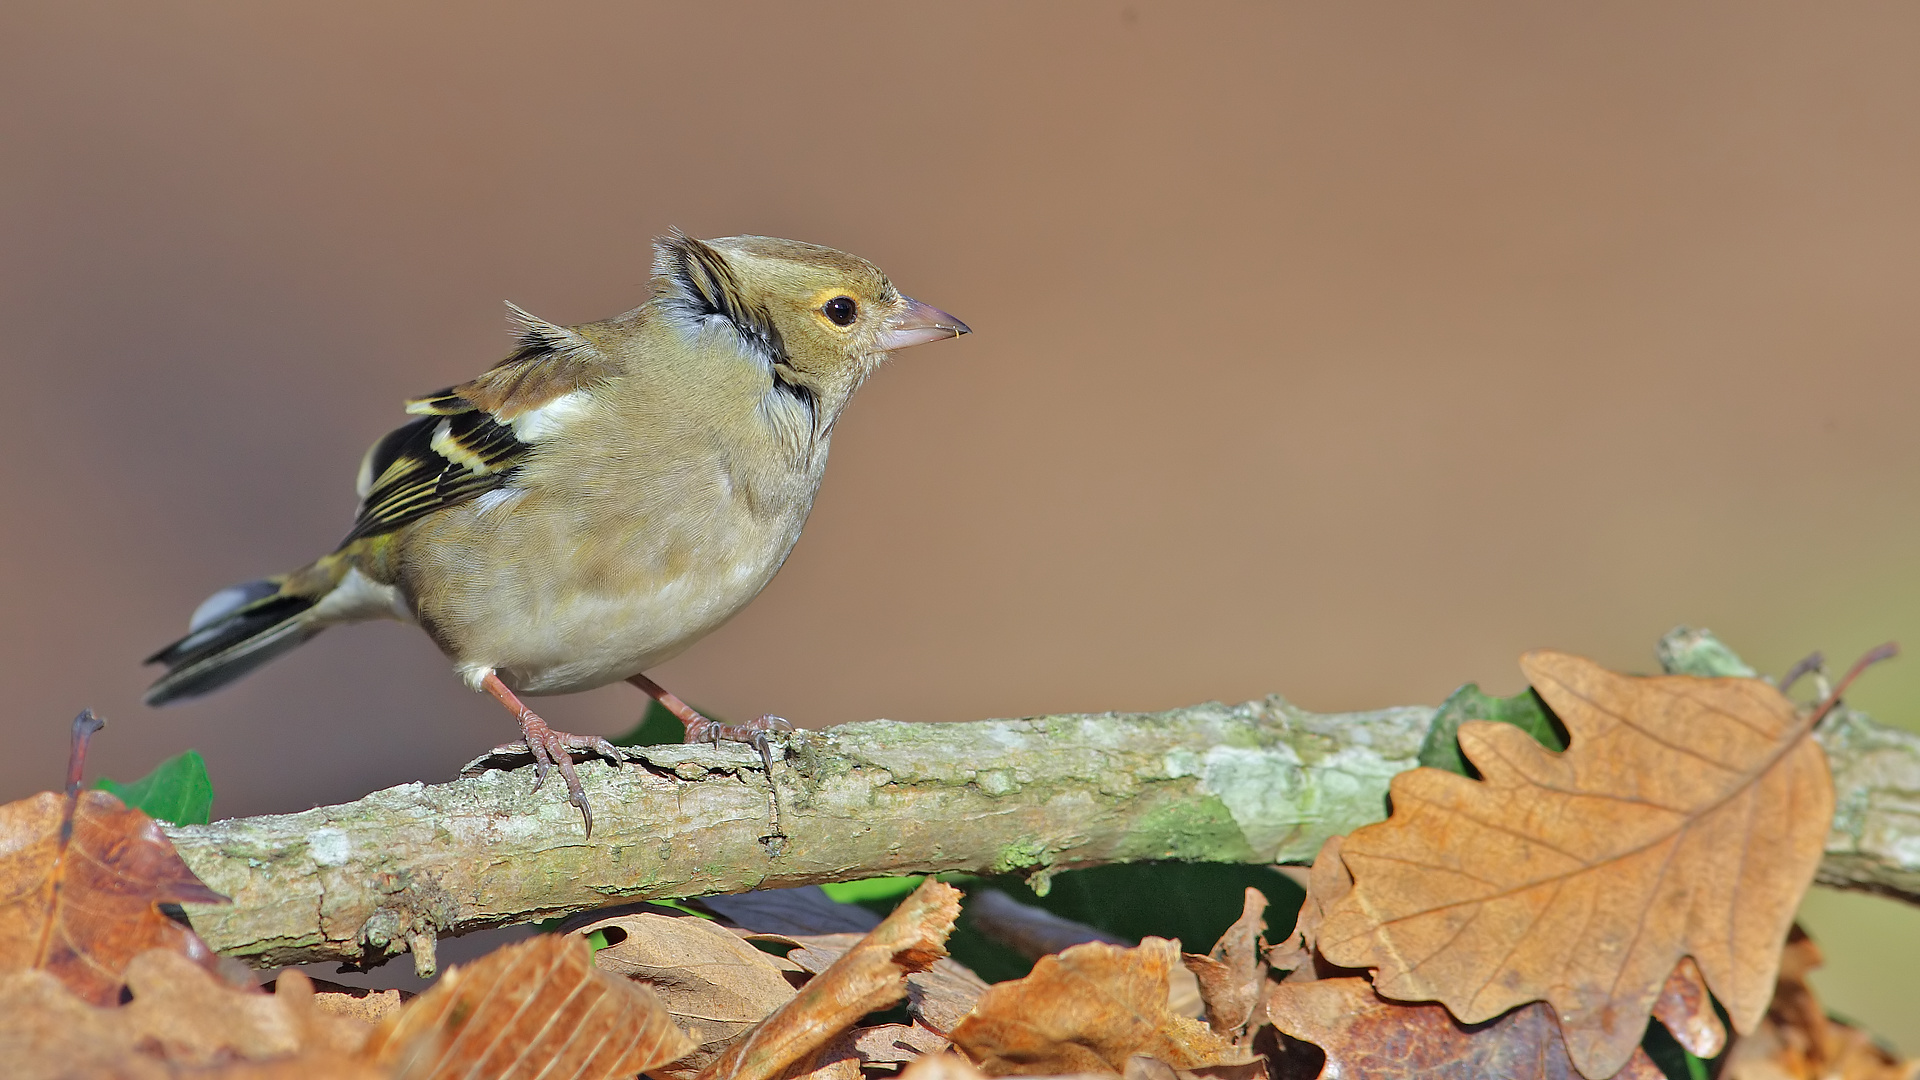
<point>242,627</point>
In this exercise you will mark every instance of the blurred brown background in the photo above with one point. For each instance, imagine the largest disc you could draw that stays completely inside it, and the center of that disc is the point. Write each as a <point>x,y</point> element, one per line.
<point>1344,351</point>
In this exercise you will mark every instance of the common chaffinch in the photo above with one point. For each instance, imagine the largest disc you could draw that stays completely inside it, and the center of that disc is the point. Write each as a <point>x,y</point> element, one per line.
<point>602,498</point>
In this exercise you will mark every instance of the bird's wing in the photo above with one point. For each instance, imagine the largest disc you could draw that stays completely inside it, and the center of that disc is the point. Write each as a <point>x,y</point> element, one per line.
<point>471,438</point>
<point>434,462</point>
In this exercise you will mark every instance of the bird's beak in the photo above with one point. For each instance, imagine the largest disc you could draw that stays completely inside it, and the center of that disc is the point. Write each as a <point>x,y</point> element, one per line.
<point>917,323</point>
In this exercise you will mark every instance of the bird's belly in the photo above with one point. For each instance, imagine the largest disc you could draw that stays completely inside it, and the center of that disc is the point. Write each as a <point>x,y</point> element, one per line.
<point>576,589</point>
<point>578,639</point>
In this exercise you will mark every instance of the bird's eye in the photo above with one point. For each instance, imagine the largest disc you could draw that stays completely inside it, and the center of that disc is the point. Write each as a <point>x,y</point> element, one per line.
<point>841,310</point>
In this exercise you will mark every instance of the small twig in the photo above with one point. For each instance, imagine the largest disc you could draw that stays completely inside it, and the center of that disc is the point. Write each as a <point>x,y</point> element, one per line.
<point>1812,662</point>
<point>84,726</point>
<point>1873,656</point>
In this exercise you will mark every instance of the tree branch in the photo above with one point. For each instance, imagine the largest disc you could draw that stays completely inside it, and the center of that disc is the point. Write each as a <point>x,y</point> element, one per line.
<point>1259,782</point>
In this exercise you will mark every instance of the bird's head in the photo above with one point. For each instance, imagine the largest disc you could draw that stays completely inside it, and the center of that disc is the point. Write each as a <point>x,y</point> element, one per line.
<point>820,319</point>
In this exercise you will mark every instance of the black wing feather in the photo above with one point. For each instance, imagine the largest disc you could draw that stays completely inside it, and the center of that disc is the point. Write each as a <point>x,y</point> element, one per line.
<point>442,459</point>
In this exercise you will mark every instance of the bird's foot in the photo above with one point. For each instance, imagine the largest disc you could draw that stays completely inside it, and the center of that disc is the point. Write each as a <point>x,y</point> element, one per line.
<point>550,749</point>
<point>757,732</point>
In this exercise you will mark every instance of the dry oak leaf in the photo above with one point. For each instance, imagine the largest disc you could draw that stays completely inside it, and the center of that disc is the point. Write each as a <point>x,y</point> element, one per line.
<point>895,1043</point>
<point>871,975</point>
<point>1364,1035</point>
<point>1326,883</point>
<point>1799,1041</point>
<point>942,996</point>
<point>845,1057</point>
<point>538,1008</point>
<point>1233,978</point>
<point>1089,1009</point>
<point>1034,932</point>
<point>81,902</point>
<point>182,1020</point>
<point>714,985</point>
<point>1686,1009</point>
<point>956,1067</point>
<point>938,997</point>
<point>365,1004</point>
<point>942,1067</point>
<point>837,1060</point>
<point>1686,817</point>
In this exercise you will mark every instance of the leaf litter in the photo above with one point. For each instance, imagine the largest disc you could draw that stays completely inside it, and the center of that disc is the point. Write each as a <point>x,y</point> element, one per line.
<point>82,881</point>
<point>712,983</point>
<point>537,1008</point>
<point>1686,818</point>
<point>1090,1009</point>
<point>1715,776</point>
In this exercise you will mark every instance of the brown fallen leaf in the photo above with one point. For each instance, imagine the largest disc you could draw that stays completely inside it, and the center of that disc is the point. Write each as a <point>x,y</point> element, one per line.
<point>846,1055</point>
<point>1799,1041</point>
<point>1686,817</point>
<point>834,1061</point>
<point>816,953</point>
<point>181,1019</point>
<point>938,997</point>
<point>303,1068</point>
<point>1089,1009</point>
<point>1233,977</point>
<point>714,984</point>
<point>942,1067</point>
<point>1686,1010</point>
<point>81,881</point>
<point>1365,1035</point>
<point>359,1003</point>
<point>870,975</point>
<point>941,996</point>
<point>1034,932</point>
<point>894,1043</point>
<point>1142,1067</point>
<point>536,1008</point>
<point>1326,883</point>
<point>1683,1006</point>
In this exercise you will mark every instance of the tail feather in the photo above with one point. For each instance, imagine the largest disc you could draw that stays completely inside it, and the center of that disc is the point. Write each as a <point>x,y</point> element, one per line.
<point>235,631</point>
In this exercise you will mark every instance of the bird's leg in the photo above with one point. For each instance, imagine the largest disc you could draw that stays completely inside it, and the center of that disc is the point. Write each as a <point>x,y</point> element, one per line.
<point>550,748</point>
<point>757,733</point>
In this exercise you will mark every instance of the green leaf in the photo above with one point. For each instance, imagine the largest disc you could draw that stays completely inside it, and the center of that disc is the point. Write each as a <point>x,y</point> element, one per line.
<point>869,890</point>
<point>177,791</point>
<point>657,726</point>
<point>1524,710</point>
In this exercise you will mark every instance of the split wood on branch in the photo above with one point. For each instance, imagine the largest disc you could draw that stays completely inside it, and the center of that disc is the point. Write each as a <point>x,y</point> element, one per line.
<point>1259,782</point>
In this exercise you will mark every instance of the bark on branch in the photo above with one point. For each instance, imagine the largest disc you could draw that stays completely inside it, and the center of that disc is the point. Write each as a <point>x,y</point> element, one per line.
<point>1258,782</point>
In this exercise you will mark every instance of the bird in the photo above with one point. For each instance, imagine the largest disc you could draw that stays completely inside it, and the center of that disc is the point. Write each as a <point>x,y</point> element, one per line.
<point>601,499</point>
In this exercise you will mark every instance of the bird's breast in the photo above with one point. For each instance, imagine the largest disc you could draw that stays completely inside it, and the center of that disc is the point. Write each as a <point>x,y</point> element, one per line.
<point>557,593</point>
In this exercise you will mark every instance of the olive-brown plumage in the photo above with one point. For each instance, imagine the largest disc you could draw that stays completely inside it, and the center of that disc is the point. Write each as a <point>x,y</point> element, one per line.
<point>601,499</point>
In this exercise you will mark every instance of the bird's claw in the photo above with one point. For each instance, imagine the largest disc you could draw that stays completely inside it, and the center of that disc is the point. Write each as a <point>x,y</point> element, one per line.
<point>554,750</point>
<point>757,732</point>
